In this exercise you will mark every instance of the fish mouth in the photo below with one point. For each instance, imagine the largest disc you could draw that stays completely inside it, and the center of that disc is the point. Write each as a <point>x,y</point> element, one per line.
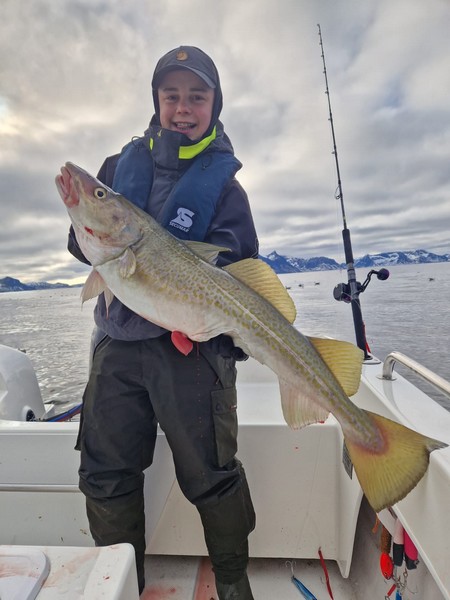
<point>66,188</point>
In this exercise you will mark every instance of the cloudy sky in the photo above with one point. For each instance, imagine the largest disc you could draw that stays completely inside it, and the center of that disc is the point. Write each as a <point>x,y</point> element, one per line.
<point>75,85</point>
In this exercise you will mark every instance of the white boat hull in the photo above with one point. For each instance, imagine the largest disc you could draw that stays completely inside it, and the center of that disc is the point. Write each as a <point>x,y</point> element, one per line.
<point>303,495</point>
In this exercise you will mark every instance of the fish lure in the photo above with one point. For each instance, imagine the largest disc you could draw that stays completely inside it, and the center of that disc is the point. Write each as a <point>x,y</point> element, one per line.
<point>325,571</point>
<point>302,589</point>
<point>299,585</point>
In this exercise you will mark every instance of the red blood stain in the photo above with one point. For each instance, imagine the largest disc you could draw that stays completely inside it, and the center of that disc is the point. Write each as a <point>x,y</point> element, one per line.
<point>18,568</point>
<point>206,587</point>
<point>69,567</point>
<point>158,592</point>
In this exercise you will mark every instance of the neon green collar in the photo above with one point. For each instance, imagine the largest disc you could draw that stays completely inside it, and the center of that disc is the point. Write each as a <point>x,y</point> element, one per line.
<point>187,152</point>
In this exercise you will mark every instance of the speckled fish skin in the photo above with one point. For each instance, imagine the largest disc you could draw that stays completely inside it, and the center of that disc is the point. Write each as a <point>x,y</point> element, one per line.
<point>175,288</point>
<point>162,279</point>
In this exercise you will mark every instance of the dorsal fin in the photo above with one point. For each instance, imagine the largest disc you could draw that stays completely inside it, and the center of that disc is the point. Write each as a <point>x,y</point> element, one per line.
<point>208,252</point>
<point>257,274</point>
<point>344,360</point>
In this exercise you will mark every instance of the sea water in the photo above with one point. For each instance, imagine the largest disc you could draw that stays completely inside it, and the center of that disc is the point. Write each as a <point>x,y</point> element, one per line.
<point>408,313</point>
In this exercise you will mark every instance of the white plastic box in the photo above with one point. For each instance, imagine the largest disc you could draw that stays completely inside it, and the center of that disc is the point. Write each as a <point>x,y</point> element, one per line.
<point>53,573</point>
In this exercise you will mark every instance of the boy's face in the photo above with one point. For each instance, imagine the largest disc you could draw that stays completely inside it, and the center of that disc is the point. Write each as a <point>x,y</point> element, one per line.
<point>185,103</point>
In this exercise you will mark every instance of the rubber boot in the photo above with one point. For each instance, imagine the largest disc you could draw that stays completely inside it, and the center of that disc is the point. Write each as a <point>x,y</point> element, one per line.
<point>227,524</point>
<point>235,591</point>
<point>119,520</point>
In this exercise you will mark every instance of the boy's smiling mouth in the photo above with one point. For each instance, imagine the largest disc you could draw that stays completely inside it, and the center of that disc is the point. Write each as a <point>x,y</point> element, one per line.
<point>184,126</point>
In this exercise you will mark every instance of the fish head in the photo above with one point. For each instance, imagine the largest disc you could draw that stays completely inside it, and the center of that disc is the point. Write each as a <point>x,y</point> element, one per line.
<point>104,222</point>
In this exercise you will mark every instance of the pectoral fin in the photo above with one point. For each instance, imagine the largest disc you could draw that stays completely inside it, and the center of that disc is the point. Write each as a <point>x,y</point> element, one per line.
<point>127,263</point>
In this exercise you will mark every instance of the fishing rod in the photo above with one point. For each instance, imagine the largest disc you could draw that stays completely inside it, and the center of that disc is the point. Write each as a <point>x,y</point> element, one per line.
<point>348,292</point>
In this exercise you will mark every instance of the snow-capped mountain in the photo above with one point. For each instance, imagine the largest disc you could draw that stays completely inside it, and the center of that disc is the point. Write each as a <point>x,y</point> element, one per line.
<point>400,258</point>
<point>282,264</point>
<point>9,284</point>
<point>290,264</point>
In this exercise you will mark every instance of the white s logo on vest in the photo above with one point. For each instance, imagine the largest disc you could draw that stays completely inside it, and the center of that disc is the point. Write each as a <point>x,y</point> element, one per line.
<point>183,219</point>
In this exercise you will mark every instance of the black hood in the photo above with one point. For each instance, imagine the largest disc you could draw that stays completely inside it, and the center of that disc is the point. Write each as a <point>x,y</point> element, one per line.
<point>195,60</point>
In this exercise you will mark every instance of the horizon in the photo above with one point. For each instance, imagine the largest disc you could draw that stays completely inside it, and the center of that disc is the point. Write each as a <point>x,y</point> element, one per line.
<point>80,280</point>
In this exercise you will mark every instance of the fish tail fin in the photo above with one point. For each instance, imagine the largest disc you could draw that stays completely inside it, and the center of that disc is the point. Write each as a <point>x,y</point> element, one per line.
<point>388,476</point>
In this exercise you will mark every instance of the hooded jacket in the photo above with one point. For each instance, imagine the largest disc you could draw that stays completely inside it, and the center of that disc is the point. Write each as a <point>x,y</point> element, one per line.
<point>189,187</point>
<point>230,225</point>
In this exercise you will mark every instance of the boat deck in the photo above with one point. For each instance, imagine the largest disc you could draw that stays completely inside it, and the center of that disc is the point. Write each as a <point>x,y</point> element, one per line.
<point>304,492</point>
<point>180,578</point>
<point>191,578</point>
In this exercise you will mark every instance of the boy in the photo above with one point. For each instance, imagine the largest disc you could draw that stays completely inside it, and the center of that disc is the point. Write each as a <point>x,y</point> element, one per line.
<point>182,173</point>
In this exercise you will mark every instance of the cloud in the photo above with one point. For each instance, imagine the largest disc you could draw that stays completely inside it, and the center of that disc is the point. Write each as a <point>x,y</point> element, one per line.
<point>76,86</point>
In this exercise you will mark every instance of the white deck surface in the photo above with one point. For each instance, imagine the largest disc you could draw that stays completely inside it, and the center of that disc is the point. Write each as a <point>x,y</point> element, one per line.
<point>303,497</point>
<point>191,578</point>
<point>175,578</point>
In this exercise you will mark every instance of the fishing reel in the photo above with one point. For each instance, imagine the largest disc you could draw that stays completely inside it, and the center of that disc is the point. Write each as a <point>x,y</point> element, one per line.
<point>342,291</point>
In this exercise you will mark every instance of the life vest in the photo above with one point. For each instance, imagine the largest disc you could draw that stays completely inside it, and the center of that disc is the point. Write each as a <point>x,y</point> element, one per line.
<point>191,204</point>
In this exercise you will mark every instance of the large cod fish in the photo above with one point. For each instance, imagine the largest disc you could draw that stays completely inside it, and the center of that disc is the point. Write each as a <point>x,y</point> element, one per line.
<point>176,285</point>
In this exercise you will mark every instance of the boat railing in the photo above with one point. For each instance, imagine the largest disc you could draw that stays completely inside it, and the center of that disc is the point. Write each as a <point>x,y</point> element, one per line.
<point>32,487</point>
<point>426,374</point>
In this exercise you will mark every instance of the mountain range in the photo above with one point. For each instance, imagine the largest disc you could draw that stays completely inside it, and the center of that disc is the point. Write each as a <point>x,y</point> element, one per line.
<point>291,264</point>
<point>9,284</point>
<point>281,264</point>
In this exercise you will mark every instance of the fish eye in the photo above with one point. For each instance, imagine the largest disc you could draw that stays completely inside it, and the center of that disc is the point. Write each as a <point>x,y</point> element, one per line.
<point>100,193</point>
